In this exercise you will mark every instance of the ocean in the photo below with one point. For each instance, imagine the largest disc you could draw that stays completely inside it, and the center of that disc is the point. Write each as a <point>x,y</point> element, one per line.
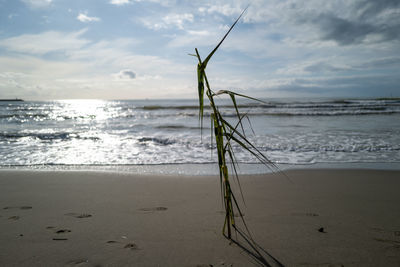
<point>167,133</point>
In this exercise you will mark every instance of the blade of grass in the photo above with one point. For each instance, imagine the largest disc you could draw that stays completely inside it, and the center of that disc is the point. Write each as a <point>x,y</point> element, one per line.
<point>237,112</point>
<point>205,62</point>
<point>200,86</point>
<point>220,92</point>
<point>224,135</point>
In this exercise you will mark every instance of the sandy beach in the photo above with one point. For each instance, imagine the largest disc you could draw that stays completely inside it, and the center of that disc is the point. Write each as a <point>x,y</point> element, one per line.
<point>312,218</point>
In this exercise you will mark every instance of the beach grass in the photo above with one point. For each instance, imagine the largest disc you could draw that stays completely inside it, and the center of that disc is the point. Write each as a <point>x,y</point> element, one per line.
<point>225,134</point>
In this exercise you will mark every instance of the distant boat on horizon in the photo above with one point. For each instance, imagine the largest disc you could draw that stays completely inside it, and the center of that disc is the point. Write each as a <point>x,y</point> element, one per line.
<point>14,99</point>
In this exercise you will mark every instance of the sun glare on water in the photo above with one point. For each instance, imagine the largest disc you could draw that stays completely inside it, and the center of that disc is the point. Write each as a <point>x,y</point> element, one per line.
<point>86,109</point>
<point>94,115</point>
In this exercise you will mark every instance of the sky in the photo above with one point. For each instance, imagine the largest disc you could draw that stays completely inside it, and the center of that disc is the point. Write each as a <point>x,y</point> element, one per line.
<point>138,49</point>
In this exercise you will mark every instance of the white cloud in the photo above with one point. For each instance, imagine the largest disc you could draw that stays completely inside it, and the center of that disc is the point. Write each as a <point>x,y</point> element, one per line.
<point>12,15</point>
<point>37,3</point>
<point>225,10</point>
<point>194,39</point>
<point>278,44</point>
<point>83,69</point>
<point>177,20</point>
<point>85,18</point>
<point>120,2</point>
<point>200,33</point>
<point>39,44</point>
<point>125,2</point>
<point>151,24</point>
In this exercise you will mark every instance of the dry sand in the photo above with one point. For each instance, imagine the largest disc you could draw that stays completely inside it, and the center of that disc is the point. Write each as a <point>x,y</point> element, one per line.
<point>317,218</point>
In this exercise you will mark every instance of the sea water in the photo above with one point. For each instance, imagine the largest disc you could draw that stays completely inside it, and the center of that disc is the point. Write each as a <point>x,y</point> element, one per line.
<point>131,133</point>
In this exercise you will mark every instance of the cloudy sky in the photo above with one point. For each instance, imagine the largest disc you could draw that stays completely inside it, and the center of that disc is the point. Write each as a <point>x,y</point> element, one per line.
<point>128,49</point>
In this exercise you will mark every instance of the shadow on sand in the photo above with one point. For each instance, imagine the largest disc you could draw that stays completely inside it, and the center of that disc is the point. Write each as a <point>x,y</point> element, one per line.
<point>258,255</point>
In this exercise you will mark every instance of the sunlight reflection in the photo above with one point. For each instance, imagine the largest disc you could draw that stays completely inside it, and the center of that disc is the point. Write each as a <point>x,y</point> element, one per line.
<point>95,144</point>
<point>86,109</point>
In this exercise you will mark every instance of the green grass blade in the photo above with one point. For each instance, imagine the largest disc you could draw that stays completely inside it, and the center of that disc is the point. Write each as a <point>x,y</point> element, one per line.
<point>237,112</point>
<point>212,131</point>
<point>249,147</point>
<point>237,125</point>
<point>225,136</point>
<point>242,217</point>
<point>251,126</point>
<point>200,86</point>
<point>205,62</point>
<point>232,156</point>
<point>220,92</point>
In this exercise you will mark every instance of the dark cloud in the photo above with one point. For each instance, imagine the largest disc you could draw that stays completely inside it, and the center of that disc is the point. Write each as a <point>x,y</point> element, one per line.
<point>369,17</point>
<point>344,32</point>
<point>351,86</point>
<point>323,67</point>
<point>370,8</point>
<point>344,86</point>
<point>380,63</point>
<point>374,64</point>
<point>126,74</point>
<point>129,73</point>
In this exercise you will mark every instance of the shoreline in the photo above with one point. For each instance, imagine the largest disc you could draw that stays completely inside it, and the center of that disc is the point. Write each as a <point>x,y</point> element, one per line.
<point>69,218</point>
<point>204,169</point>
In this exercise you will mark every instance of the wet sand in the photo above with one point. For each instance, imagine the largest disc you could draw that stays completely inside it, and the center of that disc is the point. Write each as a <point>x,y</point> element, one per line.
<point>313,218</point>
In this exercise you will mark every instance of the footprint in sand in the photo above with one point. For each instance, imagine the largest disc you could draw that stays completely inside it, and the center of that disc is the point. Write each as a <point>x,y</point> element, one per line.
<point>18,208</point>
<point>78,262</point>
<point>131,246</point>
<point>16,217</point>
<point>211,265</point>
<point>63,231</point>
<point>394,243</point>
<point>383,231</point>
<point>60,231</point>
<point>379,230</point>
<point>153,209</point>
<point>78,215</point>
<point>61,238</point>
<point>321,264</point>
<point>387,237</point>
<point>306,214</point>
